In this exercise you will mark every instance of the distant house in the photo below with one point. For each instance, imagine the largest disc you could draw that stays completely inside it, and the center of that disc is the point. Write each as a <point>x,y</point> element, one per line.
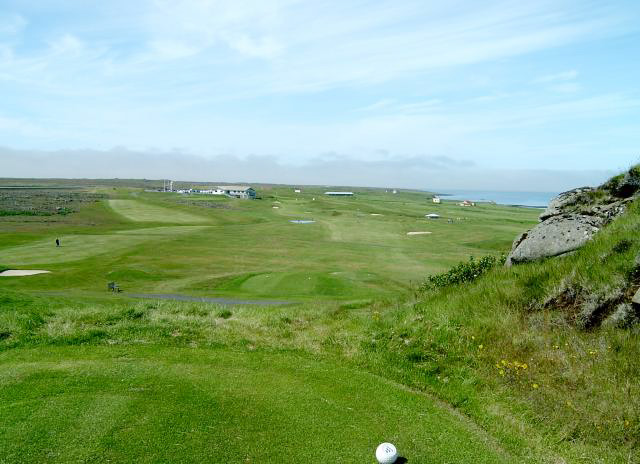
<point>213,191</point>
<point>394,191</point>
<point>238,191</point>
<point>296,191</point>
<point>467,203</point>
<point>235,191</point>
<point>339,194</point>
<point>432,216</point>
<point>436,200</point>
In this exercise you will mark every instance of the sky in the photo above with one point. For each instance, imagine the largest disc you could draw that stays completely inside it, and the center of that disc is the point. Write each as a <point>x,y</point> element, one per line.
<point>496,95</point>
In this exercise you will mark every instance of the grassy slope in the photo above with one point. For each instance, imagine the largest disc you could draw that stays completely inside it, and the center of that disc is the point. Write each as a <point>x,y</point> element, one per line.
<point>576,400</point>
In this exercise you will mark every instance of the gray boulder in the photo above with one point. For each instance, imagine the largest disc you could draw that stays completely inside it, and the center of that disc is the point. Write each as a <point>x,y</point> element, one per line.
<point>556,236</point>
<point>636,298</point>
<point>565,200</point>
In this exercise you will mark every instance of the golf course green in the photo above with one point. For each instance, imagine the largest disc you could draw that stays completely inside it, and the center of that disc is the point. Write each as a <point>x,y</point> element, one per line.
<point>345,351</point>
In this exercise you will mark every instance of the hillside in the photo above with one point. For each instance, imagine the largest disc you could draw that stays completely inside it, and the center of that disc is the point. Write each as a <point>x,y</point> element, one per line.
<point>502,368</point>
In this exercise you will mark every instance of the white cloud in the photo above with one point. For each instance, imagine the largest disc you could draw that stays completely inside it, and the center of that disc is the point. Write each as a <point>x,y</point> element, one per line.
<point>422,172</point>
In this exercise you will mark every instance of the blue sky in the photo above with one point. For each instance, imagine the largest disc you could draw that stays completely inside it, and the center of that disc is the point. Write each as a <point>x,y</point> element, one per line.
<point>539,86</point>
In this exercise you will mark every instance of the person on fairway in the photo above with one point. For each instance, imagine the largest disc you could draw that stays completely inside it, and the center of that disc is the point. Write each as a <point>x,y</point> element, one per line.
<point>57,242</point>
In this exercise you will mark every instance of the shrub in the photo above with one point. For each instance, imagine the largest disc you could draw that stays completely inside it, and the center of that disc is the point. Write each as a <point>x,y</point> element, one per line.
<point>462,272</point>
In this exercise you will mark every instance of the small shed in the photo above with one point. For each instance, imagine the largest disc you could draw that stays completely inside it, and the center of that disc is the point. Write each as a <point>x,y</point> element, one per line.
<point>339,194</point>
<point>432,216</point>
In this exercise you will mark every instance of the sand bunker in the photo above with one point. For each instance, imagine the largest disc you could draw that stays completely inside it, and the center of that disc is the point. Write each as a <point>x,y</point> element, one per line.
<point>21,272</point>
<point>418,233</point>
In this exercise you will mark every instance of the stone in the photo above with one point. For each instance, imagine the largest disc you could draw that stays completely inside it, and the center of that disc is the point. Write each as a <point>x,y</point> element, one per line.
<point>636,298</point>
<point>610,211</point>
<point>556,236</point>
<point>559,204</point>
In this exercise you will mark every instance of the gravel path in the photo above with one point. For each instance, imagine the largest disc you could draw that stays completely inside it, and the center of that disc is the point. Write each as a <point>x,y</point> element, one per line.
<point>221,301</point>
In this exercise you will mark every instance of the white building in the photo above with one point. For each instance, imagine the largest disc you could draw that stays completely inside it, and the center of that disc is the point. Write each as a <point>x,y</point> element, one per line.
<point>238,191</point>
<point>436,200</point>
<point>432,216</point>
<point>235,191</point>
<point>339,194</point>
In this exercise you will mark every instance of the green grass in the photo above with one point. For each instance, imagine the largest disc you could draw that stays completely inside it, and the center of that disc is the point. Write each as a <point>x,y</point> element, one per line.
<point>141,212</point>
<point>80,247</point>
<point>141,404</point>
<point>251,249</point>
<point>90,376</point>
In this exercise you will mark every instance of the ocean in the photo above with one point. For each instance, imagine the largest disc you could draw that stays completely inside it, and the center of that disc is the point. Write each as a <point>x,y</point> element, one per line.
<point>529,199</point>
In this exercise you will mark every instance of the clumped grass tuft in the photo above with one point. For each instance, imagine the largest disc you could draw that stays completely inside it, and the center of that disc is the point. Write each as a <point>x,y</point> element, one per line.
<point>225,314</point>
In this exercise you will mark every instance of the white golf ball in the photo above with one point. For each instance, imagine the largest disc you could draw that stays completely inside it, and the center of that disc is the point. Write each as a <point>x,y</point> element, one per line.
<point>386,453</point>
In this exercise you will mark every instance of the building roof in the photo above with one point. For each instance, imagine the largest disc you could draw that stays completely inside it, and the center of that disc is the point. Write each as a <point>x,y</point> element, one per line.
<point>242,188</point>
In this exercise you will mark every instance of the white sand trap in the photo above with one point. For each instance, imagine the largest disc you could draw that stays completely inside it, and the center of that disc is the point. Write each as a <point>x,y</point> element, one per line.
<point>22,272</point>
<point>376,214</point>
<point>418,233</point>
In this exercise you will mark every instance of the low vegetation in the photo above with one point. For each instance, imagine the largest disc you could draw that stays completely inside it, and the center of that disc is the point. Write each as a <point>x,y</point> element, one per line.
<point>483,364</point>
<point>462,272</point>
<point>42,202</point>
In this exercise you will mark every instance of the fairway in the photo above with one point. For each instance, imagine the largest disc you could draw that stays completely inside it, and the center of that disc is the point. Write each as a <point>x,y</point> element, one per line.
<point>136,404</point>
<point>79,247</point>
<point>356,249</point>
<point>141,212</point>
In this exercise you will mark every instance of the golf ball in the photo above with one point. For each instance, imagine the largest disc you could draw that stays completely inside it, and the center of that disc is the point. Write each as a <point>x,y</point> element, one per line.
<point>386,453</point>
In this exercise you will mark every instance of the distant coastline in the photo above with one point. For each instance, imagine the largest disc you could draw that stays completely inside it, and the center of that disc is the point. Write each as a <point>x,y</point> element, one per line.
<point>522,199</point>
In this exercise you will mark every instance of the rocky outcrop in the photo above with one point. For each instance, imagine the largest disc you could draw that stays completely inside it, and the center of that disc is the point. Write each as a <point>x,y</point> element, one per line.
<point>564,201</point>
<point>574,217</point>
<point>554,237</point>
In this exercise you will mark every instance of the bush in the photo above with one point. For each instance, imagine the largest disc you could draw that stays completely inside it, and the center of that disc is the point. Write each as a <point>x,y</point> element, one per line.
<point>462,272</point>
